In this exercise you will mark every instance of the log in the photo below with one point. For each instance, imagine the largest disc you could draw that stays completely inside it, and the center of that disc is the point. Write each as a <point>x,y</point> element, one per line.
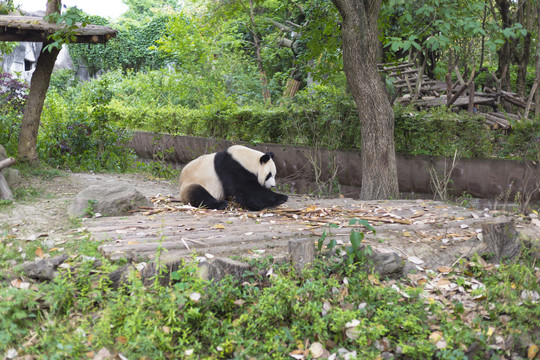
<point>6,162</point>
<point>501,240</point>
<point>457,95</point>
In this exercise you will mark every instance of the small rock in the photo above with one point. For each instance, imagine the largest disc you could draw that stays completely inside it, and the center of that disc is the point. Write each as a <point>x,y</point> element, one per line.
<point>530,295</point>
<point>103,354</point>
<point>43,269</point>
<point>317,350</point>
<point>218,268</point>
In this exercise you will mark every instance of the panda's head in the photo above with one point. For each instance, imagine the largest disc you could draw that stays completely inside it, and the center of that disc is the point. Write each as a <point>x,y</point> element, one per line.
<point>267,173</point>
<point>256,162</point>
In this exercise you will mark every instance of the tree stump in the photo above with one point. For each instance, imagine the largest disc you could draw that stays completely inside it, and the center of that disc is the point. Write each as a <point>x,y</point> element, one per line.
<point>501,240</point>
<point>5,191</point>
<point>301,253</point>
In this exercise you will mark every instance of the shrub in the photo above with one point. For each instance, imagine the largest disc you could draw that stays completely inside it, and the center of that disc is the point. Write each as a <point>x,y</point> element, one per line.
<point>82,138</point>
<point>13,96</point>
<point>440,132</point>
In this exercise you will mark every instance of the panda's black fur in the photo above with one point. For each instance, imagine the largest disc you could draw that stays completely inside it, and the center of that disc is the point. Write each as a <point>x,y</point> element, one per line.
<point>235,180</point>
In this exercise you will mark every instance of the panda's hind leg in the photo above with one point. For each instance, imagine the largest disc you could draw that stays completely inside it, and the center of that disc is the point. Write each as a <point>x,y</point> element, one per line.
<point>198,196</point>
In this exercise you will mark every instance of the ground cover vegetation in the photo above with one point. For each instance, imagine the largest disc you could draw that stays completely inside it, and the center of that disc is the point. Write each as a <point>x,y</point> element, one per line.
<point>274,312</point>
<point>266,71</point>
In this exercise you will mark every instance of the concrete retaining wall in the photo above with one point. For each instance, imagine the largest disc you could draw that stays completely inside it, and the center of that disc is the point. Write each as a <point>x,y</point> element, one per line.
<point>481,178</point>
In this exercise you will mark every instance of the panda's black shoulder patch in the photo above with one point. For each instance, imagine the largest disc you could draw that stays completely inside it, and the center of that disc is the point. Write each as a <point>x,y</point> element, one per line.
<point>243,185</point>
<point>232,174</point>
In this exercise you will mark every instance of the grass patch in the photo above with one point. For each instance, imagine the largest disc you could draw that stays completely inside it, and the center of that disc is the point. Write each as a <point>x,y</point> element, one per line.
<point>272,316</point>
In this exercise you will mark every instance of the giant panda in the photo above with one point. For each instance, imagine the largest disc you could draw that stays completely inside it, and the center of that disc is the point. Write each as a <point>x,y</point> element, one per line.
<point>241,173</point>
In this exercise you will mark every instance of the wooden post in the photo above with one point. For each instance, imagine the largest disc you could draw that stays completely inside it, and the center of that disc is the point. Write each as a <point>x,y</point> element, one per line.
<point>471,97</point>
<point>449,88</point>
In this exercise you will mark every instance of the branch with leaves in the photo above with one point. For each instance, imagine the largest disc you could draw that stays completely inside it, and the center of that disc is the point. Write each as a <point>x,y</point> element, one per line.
<point>70,23</point>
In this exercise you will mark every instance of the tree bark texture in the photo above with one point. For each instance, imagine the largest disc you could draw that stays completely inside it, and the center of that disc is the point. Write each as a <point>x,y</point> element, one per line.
<point>505,52</point>
<point>360,42</point>
<point>34,105</point>
<point>523,53</point>
<point>27,146</point>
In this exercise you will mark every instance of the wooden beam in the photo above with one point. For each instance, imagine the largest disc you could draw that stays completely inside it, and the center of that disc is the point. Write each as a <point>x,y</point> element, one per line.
<point>35,29</point>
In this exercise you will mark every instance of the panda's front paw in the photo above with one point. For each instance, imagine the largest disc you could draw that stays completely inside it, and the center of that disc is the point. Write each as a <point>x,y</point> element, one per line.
<point>281,199</point>
<point>222,205</point>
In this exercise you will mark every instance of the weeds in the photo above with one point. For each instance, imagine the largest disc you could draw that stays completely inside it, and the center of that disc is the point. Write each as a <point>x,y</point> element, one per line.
<point>440,182</point>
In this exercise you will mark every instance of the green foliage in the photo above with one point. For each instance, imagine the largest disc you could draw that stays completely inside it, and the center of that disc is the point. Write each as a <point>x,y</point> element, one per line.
<point>18,313</point>
<point>355,253</point>
<point>443,28</point>
<point>522,142</point>
<point>132,48</point>
<point>79,312</point>
<point>70,21</point>
<point>440,132</point>
<point>82,138</point>
<point>323,116</point>
<point>13,96</point>
<point>6,7</point>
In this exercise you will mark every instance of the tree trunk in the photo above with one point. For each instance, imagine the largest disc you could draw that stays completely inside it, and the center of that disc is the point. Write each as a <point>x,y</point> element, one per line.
<point>359,33</point>
<point>525,17</point>
<point>36,97</point>
<point>504,53</point>
<point>257,44</point>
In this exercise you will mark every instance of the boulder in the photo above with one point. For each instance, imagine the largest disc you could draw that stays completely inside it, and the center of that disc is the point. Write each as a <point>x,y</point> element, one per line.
<point>3,153</point>
<point>13,177</point>
<point>107,200</point>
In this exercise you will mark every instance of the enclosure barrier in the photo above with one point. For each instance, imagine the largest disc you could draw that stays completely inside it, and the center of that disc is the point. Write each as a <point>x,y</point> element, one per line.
<point>306,169</point>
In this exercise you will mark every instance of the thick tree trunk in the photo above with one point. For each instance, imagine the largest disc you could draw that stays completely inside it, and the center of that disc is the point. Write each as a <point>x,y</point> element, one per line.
<point>34,105</point>
<point>360,43</point>
<point>36,97</point>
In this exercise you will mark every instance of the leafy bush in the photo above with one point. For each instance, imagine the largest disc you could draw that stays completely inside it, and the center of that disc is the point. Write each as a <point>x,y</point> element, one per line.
<point>82,138</point>
<point>13,96</point>
<point>133,47</point>
<point>323,116</point>
<point>522,142</point>
<point>440,132</point>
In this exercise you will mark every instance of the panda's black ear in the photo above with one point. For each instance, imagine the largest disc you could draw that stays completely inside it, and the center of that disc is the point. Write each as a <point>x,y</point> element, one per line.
<point>266,157</point>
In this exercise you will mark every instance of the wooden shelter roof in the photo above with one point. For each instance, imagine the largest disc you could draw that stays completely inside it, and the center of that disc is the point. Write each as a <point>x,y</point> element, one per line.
<point>35,29</point>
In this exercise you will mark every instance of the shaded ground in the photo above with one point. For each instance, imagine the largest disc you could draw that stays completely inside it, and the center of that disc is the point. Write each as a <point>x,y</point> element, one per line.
<point>427,233</point>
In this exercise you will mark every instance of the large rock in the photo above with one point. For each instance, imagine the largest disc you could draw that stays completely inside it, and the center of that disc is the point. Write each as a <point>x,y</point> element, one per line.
<point>3,153</point>
<point>107,200</point>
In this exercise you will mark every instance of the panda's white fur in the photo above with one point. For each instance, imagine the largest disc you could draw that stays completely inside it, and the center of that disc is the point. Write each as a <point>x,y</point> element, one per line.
<point>238,172</point>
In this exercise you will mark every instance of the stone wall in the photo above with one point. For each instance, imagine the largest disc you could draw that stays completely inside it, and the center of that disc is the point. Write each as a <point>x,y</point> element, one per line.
<point>481,178</point>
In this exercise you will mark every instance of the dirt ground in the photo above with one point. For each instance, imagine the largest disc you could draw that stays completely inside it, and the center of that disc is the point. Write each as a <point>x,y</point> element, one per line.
<point>425,232</point>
